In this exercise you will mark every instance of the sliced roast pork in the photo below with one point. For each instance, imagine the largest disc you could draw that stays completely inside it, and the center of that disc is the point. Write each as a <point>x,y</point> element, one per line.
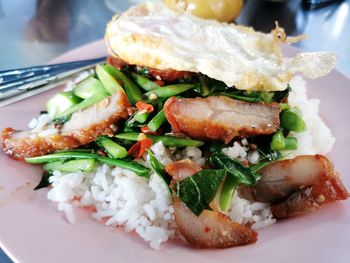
<point>299,186</point>
<point>211,229</point>
<point>221,118</point>
<point>83,127</point>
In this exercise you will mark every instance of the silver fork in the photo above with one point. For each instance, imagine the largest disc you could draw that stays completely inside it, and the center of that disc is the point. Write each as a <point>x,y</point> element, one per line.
<point>17,84</point>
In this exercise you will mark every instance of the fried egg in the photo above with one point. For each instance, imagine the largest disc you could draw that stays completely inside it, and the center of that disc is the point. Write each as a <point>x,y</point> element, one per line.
<point>155,36</point>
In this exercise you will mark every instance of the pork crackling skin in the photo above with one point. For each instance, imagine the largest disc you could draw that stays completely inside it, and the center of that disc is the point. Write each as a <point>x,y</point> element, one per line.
<point>221,118</point>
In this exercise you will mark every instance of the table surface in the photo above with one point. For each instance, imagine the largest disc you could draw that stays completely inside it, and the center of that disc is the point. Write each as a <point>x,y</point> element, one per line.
<point>36,31</point>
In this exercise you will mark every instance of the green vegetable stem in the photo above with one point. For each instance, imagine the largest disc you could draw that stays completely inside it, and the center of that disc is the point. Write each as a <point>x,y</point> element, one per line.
<point>85,165</point>
<point>131,89</point>
<point>113,149</point>
<point>76,155</point>
<point>171,90</point>
<point>169,141</point>
<point>144,82</point>
<point>108,81</point>
<point>157,121</point>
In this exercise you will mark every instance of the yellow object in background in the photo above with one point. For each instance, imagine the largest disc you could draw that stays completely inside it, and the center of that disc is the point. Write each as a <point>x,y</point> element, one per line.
<point>221,10</point>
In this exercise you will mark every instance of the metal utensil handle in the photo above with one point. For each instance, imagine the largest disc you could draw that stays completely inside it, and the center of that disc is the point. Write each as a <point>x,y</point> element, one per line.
<point>14,90</point>
<point>8,76</point>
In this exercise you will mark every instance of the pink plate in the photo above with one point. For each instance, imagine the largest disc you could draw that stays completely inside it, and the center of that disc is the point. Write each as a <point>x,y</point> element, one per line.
<point>32,230</point>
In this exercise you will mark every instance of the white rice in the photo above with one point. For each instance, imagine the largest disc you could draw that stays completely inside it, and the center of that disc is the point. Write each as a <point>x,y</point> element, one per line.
<point>240,150</point>
<point>255,213</point>
<point>121,198</point>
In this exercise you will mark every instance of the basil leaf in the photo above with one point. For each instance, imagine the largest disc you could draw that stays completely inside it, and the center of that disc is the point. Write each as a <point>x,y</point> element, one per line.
<point>244,174</point>
<point>198,190</point>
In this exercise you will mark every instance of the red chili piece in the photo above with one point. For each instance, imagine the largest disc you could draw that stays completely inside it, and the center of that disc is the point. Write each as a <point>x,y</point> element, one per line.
<point>139,148</point>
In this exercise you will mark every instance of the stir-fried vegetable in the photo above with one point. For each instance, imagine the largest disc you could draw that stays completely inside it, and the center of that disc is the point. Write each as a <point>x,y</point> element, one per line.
<point>237,174</point>
<point>158,167</point>
<point>144,82</point>
<point>291,143</point>
<point>169,141</point>
<point>157,121</point>
<point>279,142</point>
<point>205,90</point>
<point>108,81</point>
<point>132,91</point>
<point>148,117</point>
<point>141,117</point>
<point>237,97</point>
<point>244,174</point>
<point>227,192</point>
<point>61,102</point>
<point>169,91</point>
<point>84,104</point>
<point>113,150</point>
<point>198,190</point>
<point>76,155</point>
<point>88,87</point>
<point>291,120</point>
<point>85,165</point>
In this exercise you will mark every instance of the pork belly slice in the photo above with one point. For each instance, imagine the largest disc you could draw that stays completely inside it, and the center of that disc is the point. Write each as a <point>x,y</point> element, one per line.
<point>82,128</point>
<point>221,118</point>
<point>299,186</point>
<point>211,229</point>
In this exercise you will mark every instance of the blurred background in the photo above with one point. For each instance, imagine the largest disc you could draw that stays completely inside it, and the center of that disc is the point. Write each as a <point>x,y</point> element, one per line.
<point>36,31</point>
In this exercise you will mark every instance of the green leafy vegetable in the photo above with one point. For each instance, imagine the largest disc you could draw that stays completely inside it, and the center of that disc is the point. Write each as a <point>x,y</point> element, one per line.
<point>198,190</point>
<point>237,174</point>
<point>244,174</point>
